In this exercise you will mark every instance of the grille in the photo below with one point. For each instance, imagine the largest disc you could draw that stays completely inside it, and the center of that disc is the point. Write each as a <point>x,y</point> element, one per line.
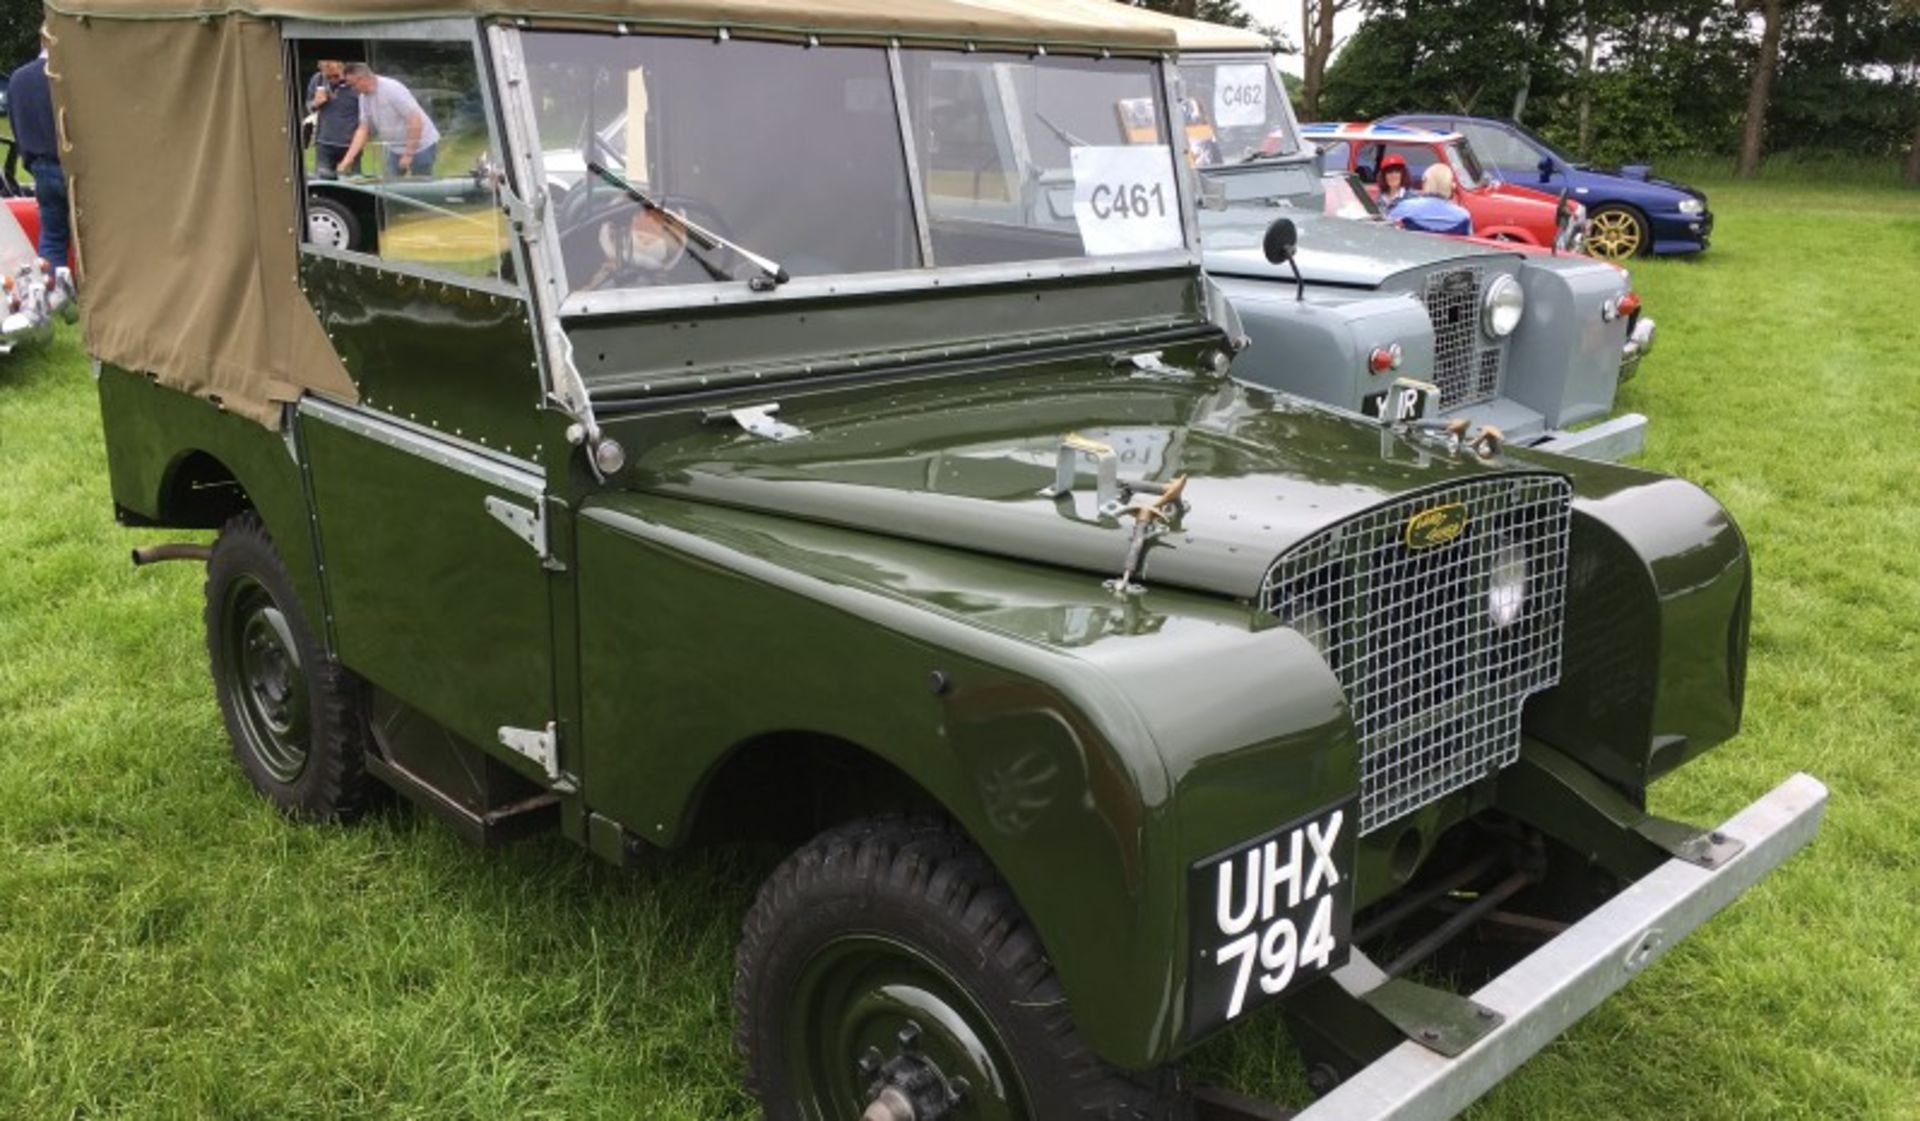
<point>1466,372</point>
<point>1434,683</point>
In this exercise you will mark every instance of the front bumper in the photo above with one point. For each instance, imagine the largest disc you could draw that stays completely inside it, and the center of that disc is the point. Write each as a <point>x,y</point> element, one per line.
<point>1562,981</point>
<point>1638,345</point>
<point>30,303</point>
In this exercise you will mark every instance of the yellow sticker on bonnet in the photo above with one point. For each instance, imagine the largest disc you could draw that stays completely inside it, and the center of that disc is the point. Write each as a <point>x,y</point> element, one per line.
<point>1430,529</point>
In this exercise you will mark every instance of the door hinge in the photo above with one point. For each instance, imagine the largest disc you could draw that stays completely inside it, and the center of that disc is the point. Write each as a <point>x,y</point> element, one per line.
<point>528,525</point>
<point>541,746</point>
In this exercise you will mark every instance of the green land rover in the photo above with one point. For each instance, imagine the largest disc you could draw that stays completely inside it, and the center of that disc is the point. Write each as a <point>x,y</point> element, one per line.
<point>724,446</point>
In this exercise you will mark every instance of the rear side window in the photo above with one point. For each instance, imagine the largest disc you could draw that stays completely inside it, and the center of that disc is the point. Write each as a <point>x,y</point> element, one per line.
<point>395,155</point>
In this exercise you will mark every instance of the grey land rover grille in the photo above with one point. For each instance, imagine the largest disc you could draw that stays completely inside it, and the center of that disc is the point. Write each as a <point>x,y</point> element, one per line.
<point>1434,682</point>
<point>1466,364</point>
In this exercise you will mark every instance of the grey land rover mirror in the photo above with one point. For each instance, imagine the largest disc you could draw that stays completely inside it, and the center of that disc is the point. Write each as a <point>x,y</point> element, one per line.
<point>1281,240</point>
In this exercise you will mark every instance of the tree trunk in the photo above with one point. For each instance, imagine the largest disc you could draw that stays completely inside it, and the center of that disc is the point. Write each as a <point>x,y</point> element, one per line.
<point>1913,158</point>
<point>1316,48</point>
<point>1526,66</point>
<point>1586,85</point>
<point>1761,90</point>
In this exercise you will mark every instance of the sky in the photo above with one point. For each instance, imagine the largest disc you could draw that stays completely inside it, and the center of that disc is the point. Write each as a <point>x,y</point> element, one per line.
<point>1285,14</point>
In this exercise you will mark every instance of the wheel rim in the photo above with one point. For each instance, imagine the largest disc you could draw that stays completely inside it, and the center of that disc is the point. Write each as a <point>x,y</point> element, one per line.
<point>327,229</point>
<point>873,1019</point>
<point>1613,234</point>
<point>265,682</point>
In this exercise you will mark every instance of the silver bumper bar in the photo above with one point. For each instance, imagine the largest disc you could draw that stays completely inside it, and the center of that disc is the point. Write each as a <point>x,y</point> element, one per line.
<point>1565,979</point>
<point>1638,345</point>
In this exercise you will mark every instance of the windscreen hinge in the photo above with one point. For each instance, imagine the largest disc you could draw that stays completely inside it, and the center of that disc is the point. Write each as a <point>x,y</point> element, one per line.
<point>758,420</point>
<point>528,215</point>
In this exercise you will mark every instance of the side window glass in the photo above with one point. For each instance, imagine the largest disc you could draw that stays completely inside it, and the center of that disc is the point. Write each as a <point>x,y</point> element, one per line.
<point>1334,156</point>
<point>1499,148</point>
<point>395,155</point>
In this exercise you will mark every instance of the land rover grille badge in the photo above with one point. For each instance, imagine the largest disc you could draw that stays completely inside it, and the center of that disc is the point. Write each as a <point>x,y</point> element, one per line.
<point>1434,527</point>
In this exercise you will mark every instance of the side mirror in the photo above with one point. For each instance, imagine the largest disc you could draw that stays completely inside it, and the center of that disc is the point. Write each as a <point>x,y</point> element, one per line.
<point>1281,242</point>
<point>1283,237</point>
<point>1546,168</point>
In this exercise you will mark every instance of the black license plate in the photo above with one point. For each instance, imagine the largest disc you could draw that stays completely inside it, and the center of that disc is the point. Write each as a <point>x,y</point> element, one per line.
<point>1270,915</point>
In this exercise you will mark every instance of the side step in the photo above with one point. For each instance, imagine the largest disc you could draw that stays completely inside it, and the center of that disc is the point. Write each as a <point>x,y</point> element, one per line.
<point>485,800</point>
<point>511,822</point>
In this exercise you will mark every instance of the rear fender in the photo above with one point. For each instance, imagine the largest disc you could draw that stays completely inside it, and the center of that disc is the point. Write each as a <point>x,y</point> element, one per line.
<point>162,443</point>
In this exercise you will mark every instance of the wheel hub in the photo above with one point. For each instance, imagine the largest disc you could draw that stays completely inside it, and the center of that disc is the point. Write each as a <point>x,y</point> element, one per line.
<point>908,1086</point>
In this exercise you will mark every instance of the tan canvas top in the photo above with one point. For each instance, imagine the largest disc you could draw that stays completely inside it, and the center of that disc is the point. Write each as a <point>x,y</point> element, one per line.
<point>1192,35</point>
<point>185,214</point>
<point>950,20</point>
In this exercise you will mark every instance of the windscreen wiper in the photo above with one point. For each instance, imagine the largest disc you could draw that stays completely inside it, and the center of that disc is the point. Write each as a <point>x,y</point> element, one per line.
<point>1067,138</point>
<point>771,274</point>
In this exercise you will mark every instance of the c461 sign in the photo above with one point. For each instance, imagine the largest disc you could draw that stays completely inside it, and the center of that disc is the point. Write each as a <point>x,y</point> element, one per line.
<point>1269,916</point>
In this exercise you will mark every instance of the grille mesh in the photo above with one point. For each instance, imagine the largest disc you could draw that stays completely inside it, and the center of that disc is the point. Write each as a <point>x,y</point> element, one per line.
<point>1465,372</point>
<point>1435,685</point>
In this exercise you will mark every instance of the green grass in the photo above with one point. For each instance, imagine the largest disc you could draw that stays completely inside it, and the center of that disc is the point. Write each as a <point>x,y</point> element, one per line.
<point>170,948</point>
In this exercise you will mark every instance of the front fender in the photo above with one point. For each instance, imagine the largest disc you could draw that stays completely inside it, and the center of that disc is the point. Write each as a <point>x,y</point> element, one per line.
<point>1317,348</point>
<point>1659,592</point>
<point>1086,743</point>
<point>1565,357</point>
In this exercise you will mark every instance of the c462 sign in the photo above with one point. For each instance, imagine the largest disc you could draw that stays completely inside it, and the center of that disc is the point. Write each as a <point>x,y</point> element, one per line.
<point>1270,915</point>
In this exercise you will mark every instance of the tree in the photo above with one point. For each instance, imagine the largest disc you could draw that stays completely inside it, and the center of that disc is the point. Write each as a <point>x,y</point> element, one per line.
<point>1316,35</point>
<point>19,32</point>
<point>1228,12</point>
<point>1772,14</point>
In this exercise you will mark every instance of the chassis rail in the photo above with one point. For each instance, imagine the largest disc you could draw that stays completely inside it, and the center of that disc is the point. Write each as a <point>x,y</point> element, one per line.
<point>1565,979</point>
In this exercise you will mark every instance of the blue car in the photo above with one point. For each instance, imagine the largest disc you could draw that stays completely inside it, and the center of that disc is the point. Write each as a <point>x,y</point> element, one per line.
<point>1629,213</point>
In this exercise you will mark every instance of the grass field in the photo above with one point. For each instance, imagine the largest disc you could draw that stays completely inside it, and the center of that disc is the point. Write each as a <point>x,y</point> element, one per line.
<point>169,947</point>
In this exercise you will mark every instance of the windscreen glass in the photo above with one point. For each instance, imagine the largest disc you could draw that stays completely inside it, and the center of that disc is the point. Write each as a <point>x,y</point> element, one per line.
<point>1235,111</point>
<point>1030,158</point>
<point>792,154</point>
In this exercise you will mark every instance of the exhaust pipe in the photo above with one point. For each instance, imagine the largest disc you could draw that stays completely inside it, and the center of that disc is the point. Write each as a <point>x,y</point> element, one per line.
<point>154,554</point>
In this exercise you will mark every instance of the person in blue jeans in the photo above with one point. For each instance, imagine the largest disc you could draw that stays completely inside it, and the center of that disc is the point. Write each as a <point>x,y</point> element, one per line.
<point>30,106</point>
<point>390,114</point>
<point>336,109</point>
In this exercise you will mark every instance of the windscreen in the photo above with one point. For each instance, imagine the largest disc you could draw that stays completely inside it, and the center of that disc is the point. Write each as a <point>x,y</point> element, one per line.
<point>1028,158</point>
<point>797,155</point>
<point>788,152</point>
<point>1235,111</point>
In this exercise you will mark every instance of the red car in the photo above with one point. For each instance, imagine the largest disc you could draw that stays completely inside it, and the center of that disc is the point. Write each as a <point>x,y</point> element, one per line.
<point>1501,211</point>
<point>19,198</point>
<point>27,213</point>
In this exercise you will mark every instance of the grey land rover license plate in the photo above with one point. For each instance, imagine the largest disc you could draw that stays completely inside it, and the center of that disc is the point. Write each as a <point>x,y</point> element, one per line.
<point>1269,916</point>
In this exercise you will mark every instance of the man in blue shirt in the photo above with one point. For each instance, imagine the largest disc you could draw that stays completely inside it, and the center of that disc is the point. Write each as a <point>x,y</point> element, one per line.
<point>336,108</point>
<point>30,105</point>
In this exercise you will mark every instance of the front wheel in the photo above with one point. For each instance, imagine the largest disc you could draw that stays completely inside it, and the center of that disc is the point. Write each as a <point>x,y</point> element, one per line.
<point>1616,233</point>
<point>885,973</point>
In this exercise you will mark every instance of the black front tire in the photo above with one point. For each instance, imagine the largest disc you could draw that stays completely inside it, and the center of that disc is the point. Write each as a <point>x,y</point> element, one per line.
<point>296,718</point>
<point>864,951</point>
